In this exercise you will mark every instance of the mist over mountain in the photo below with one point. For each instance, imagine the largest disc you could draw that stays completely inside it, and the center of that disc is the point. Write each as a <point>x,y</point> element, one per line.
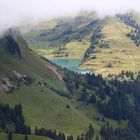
<point>16,12</point>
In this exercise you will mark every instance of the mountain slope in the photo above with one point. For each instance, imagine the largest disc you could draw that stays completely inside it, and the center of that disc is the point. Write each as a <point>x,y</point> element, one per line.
<point>57,42</point>
<point>30,80</point>
<point>121,52</point>
<point>29,64</point>
<point>101,45</point>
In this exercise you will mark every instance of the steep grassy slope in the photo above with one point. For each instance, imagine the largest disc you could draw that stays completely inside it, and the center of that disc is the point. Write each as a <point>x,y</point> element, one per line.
<point>29,64</point>
<point>47,109</point>
<point>122,53</point>
<point>42,106</point>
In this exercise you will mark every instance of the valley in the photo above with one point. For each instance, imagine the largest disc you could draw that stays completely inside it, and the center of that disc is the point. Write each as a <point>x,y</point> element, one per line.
<point>71,79</point>
<point>120,54</point>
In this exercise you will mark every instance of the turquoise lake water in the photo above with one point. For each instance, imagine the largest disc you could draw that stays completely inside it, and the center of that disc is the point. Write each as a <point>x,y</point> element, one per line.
<point>70,64</point>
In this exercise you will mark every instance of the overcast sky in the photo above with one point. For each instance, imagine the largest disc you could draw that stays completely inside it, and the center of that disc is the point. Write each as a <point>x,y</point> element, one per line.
<point>13,12</point>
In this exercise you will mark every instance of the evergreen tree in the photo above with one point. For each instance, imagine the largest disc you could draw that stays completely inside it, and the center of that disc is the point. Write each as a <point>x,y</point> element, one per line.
<point>90,133</point>
<point>10,137</point>
<point>36,130</point>
<point>93,99</point>
<point>70,137</point>
<point>26,137</point>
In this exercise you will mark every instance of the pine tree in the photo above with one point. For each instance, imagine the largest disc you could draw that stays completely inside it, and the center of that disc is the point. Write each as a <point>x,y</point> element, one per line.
<point>90,133</point>
<point>26,137</point>
<point>9,136</point>
<point>70,138</point>
<point>36,130</point>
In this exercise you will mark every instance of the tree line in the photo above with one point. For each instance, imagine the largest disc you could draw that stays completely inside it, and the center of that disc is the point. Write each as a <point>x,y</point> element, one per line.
<point>115,99</point>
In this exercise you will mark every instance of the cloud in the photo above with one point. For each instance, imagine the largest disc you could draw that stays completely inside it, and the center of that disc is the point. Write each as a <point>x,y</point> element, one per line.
<point>13,12</point>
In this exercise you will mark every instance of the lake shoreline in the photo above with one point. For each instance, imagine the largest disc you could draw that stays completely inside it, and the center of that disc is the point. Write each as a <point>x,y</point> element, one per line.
<point>70,64</point>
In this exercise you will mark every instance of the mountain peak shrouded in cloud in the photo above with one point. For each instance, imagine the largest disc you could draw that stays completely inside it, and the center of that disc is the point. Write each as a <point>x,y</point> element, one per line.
<point>14,12</point>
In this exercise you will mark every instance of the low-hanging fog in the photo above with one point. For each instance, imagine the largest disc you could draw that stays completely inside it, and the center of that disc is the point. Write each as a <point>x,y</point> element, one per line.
<point>14,12</point>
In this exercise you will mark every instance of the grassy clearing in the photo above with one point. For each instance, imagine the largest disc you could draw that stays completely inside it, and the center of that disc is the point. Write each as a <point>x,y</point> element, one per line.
<point>122,53</point>
<point>76,50</point>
